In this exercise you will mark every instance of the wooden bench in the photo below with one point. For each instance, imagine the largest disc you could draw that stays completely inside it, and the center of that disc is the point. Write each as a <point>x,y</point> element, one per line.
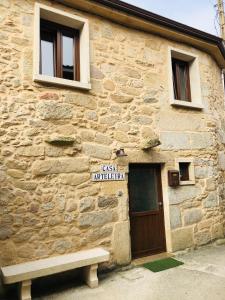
<point>25,272</point>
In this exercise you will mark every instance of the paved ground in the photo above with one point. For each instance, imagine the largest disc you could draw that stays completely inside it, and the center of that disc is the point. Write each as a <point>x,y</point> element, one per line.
<point>202,277</point>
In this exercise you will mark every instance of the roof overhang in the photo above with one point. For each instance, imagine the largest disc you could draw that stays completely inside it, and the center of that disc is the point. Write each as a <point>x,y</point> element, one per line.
<point>140,19</point>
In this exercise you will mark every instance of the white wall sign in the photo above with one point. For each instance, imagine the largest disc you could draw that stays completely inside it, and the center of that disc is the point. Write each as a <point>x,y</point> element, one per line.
<point>109,168</point>
<point>109,173</point>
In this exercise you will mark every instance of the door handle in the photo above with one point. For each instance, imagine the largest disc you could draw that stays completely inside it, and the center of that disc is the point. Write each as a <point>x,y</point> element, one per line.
<point>160,204</point>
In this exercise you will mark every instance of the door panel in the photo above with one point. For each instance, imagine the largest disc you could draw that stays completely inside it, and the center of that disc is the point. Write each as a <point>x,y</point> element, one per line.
<point>146,210</point>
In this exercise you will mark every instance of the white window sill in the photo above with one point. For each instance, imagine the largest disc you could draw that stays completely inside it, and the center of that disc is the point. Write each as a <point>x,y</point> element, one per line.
<point>60,81</point>
<point>186,104</point>
<point>188,182</point>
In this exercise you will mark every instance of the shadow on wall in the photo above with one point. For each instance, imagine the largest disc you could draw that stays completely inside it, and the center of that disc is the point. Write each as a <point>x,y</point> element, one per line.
<point>45,285</point>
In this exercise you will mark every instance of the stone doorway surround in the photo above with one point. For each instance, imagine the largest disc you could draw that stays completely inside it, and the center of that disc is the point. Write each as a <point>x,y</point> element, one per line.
<point>156,158</point>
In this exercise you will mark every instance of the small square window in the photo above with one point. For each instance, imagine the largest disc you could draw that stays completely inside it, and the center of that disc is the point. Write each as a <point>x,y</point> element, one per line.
<point>184,171</point>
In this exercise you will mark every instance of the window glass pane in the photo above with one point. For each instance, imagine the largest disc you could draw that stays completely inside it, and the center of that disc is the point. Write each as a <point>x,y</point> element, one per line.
<point>174,80</point>
<point>143,189</point>
<point>184,171</point>
<point>68,57</point>
<point>183,81</point>
<point>47,57</point>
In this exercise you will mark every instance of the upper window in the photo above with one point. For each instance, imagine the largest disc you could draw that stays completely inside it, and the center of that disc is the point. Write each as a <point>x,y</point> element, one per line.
<point>59,39</point>
<point>184,79</point>
<point>59,51</point>
<point>181,80</point>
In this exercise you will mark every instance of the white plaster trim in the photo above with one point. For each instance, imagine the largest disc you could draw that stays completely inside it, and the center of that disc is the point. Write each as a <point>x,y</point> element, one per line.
<point>196,96</point>
<point>191,170</point>
<point>61,81</point>
<point>61,17</point>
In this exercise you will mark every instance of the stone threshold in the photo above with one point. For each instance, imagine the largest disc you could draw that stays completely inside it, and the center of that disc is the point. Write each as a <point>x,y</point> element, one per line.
<point>146,259</point>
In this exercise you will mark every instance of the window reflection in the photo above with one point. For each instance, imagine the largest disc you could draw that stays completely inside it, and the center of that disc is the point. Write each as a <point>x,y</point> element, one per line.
<point>47,58</point>
<point>68,57</point>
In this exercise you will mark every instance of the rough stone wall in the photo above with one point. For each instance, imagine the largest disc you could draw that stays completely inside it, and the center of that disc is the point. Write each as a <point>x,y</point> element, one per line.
<point>48,204</point>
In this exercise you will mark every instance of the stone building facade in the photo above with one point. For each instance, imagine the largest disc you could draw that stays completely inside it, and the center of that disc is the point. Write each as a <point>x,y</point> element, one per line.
<point>54,137</point>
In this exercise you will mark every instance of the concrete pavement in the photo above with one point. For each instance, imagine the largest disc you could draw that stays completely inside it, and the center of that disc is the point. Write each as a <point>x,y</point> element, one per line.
<point>202,277</point>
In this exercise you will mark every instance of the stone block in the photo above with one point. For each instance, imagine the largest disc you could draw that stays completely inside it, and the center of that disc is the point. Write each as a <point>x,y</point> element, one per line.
<point>96,73</point>
<point>130,72</point>
<point>60,140</point>
<point>74,179</point>
<point>109,85</point>
<point>87,204</point>
<point>202,238</point>
<point>97,151</point>
<point>175,141</point>
<point>103,139</point>
<point>15,173</point>
<point>54,110</point>
<point>151,96</point>
<point>5,232</point>
<point>25,185</point>
<point>58,231</point>
<point>182,238</point>
<point>81,100</point>
<point>203,171</point>
<point>217,231</point>
<point>23,235</point>
<point>175,217</point>
<point>109,120</point>
<point>25,251</point>
<point>183,193</point>
<point>107,202</point>
<point>61,246</point>
<point>49,96</point>
<point>221,160</point>
<point>205,224</point>
<point>121,243</point>
<point>187,122</point>
<point>121,98</point>
<point>57,166</point>
<point>100,233</point>
<point>211,200</point>
<point>54,220</point>
<point>201,140</point>
<point>121,136</point>
<point>71,205</point>
<point>96,218</point>
<point>31,151</point>
<point>150,143</point>
<point>210,184</point>
<point>192,216</point>
<point>143,120</point>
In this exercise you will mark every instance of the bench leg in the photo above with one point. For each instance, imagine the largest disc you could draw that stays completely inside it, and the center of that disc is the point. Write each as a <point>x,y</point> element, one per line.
<point>25,290</point>
<point>90,275</point>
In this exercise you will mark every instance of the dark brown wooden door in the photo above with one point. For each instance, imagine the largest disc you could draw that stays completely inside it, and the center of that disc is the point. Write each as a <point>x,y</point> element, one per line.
<point>146,210</point>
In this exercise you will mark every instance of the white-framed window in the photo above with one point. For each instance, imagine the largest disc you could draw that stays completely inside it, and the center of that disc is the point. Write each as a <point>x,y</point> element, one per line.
<point>61,48</point>
<point>184,79</point>
<point>186,170</point>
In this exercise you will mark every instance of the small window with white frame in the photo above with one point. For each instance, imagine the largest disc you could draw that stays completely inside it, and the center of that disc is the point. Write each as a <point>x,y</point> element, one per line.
<point>61,48</point>
<point>186,170</point>
<point>184,79</point>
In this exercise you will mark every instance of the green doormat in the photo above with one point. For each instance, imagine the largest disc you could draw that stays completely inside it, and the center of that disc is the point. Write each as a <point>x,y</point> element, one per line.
<point>163,264</point>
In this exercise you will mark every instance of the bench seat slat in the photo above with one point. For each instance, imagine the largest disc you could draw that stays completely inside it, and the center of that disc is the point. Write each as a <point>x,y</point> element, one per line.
<point>53,265</point>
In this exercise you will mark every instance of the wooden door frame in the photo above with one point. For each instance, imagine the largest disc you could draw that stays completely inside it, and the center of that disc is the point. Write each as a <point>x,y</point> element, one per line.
<point>161,193</point>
